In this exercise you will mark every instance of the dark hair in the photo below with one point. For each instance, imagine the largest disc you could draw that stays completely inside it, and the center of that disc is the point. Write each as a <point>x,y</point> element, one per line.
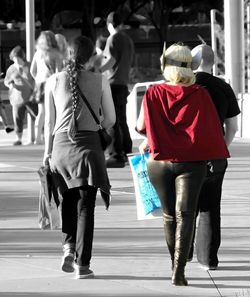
<point>114,19</point>
<point>50,39</point>
<point>17,52</point>
<point>81,50</point>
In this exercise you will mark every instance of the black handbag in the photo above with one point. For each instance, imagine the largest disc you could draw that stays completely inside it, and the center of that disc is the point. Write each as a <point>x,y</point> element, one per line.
<point>105,138</point>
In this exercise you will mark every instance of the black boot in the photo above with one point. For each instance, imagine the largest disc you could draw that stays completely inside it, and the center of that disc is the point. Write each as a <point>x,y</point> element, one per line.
<point>183,237</point>
<point>191,250</point>
<point>178,277</point>
<point>169,230</point>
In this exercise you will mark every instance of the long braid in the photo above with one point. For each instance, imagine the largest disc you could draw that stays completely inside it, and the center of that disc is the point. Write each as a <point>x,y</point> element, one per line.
<point>73,79</point>
<point>80,53</point>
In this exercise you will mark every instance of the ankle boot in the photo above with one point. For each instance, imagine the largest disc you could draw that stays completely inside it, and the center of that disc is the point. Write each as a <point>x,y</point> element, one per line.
<point>183,237</point>
<point>178,277</point>
<point>169,230</point>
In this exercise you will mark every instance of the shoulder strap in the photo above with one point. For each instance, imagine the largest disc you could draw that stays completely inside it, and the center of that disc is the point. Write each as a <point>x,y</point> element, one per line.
<point>89,106</point>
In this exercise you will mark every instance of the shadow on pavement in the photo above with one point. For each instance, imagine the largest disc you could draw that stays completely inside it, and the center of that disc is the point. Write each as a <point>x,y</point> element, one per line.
<point>234,268</point>
<point>130,277</point>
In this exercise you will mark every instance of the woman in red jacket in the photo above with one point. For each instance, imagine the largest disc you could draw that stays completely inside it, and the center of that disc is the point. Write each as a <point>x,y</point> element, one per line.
<point>183,131</point>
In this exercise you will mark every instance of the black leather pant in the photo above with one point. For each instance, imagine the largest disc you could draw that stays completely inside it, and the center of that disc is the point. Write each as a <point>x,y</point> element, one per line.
<point>178,186</point>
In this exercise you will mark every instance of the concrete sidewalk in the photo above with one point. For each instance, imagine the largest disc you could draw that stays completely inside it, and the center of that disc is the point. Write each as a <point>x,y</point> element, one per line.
<point>130,257</point>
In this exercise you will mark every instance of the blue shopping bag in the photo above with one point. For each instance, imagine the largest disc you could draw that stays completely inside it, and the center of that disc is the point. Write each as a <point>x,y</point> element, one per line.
<point>143,187</point>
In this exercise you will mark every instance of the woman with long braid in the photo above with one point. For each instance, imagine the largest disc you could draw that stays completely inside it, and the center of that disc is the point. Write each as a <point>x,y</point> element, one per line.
<point>73,150</point>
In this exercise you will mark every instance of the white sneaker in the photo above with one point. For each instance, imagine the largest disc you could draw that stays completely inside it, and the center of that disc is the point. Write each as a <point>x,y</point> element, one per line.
<point>83,272</point>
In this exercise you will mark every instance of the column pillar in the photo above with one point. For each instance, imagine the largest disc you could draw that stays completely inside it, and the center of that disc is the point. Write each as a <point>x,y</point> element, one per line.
<point>30,48</point>
<point>234,44</point>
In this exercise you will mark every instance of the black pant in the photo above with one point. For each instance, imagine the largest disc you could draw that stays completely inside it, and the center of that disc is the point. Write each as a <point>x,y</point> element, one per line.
<point>178,186</point>
<point>18,111</point>
<point>122,142</point>
<point>208,237</point>
<point>78,208</point>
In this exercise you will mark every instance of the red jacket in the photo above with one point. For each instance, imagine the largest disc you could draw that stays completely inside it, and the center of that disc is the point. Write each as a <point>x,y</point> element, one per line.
<point>182,124</point>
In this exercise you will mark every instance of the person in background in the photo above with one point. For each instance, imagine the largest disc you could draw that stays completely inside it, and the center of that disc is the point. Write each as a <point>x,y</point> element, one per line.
<point>3,116</point>
<point>46,61</point>
<point>75,156</point>
<point>118,56</point>
<point>208,236</point>
<point>62,46</point>
<point>21,86</point>
<point>183,131</point>
<point>99,54</point>
<point>38,23</point>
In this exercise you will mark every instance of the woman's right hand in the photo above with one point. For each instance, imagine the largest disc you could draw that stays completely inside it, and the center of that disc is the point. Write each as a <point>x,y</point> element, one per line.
<point>143,147</point>
<point>11,85</point>
<point>46,160</point>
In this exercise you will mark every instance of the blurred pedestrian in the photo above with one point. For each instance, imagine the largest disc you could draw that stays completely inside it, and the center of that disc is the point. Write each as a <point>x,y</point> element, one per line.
<point>46,61</point>
<point>3,116</point>
<point>21,86</point>
<point>208,237</point>
<point>183,131</point>
<point>73,149</point>
<point>98,56</point>
<point>118,56</point>
<point>62,46</point>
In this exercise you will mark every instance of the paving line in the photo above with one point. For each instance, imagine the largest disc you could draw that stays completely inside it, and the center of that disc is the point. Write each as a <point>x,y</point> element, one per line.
<point>5,165</point>
<point>235,196</point>
<point>123,192</point>
<point>214,283</point>
<point>11,256</point>
<point>29,265</point>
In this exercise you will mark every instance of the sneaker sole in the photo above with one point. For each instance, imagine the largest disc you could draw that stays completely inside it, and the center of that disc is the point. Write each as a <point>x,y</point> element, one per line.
<point>213,267</point>
<point>90,275</point>
<point>206,268</point>
<point>68,264</point>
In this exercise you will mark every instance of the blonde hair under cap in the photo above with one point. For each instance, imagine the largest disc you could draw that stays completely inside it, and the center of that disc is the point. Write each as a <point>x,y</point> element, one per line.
<point>176,64</point>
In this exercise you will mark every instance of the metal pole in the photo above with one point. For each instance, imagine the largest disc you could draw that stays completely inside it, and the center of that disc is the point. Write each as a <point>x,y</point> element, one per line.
<point>213,39</point>
<point>30,48</point>
<point>248,48</point>
<point>242,39</point>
